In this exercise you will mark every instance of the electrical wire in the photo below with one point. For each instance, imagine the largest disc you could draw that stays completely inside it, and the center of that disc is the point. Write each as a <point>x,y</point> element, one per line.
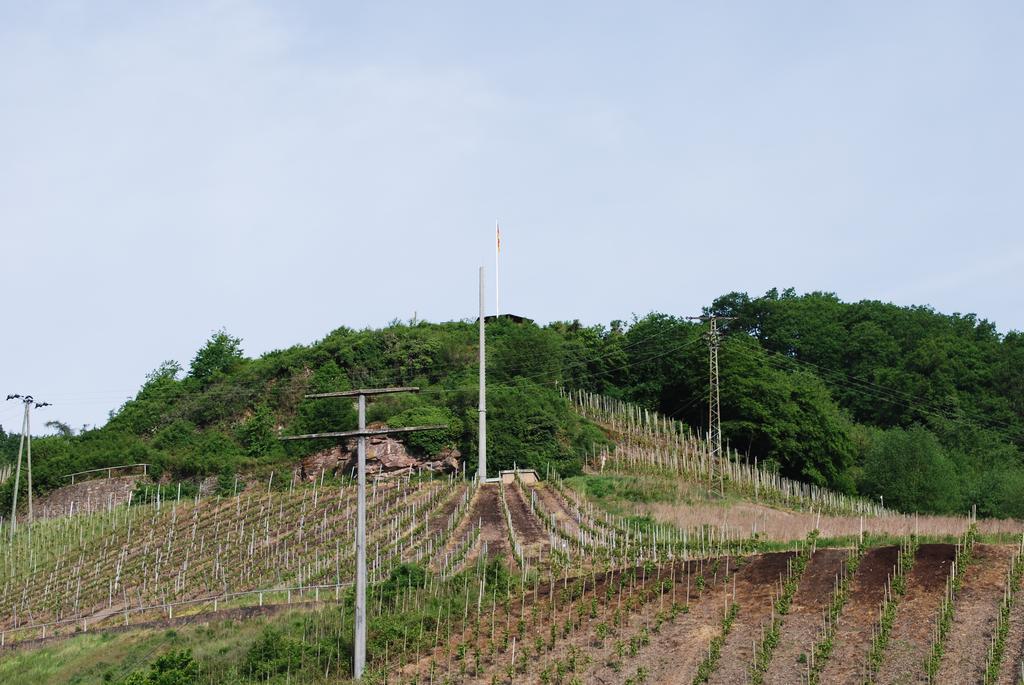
<point>880,392</point>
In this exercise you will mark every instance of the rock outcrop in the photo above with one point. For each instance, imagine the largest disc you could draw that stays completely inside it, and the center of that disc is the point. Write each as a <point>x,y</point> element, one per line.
<point>385,456</point>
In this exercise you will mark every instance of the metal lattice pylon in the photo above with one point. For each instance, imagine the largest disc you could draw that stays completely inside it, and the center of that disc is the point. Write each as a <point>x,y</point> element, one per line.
<point>717,457</point>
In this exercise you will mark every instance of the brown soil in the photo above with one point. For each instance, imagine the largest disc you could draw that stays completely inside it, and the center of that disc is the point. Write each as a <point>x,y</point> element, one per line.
<point>755,592</point>
<point>853,634</point>
<point>976,615</point>
<point>1012,671</point>
<point>909,644</point>
<point>528,527</point>
<point>584,638</point>
<point>680,644</point>
<point>557,507</point>
<point>800,629</point>
<point>494,533</point>
<point>439,518</point>
<point>457,535</point>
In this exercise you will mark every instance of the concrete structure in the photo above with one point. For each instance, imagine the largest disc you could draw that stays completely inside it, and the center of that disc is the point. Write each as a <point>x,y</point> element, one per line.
<point>528,476</point>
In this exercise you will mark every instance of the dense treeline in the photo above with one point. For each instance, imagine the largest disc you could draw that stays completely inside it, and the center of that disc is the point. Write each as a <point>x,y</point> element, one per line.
<point>225,412</point>
<point>922,408</point>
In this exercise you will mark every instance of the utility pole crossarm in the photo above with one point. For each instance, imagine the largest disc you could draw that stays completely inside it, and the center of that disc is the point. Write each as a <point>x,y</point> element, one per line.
<point>26,442</point>
<point>712,317</point>
<point>370,432</point>
<point>357,393</point>
<point>359,638</point>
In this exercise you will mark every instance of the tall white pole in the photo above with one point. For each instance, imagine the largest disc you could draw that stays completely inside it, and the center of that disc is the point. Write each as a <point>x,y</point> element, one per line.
<point>360,628</point>
<point>482,410</point>
<point>497,271</point>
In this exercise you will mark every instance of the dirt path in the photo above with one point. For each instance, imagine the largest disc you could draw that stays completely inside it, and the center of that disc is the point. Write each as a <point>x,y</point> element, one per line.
<point>494,534</point>
<point>553,503</point>
<point>457,535</point>
<point>804,620</point>
<point>977,611</point>
<point>754,595</point>
<point>910,641</point>
<point>853,634</point>
<point>1012,671</point>
<point>528,527</point>
<point>438,519</point>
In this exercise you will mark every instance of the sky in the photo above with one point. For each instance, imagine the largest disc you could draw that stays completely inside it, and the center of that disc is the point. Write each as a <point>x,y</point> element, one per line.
<point>280,169</point>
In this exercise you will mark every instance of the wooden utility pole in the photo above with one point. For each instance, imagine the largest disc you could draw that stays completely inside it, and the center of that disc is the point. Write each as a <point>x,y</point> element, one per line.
<point>717,465</point>
<point>26,441</point>
<point>359,660</point>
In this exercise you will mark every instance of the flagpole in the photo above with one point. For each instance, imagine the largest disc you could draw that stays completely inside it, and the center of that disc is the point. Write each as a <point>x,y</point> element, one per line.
<point>497,273</point>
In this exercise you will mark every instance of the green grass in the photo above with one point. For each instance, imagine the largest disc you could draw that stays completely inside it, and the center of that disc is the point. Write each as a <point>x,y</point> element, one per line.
<point>109,657</point>
<point>307,645</point>
<point>640,488</point>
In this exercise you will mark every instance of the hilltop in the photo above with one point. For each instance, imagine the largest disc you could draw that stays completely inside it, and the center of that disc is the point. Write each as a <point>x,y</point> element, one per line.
<point>794,572</point>
<point>921,408</point>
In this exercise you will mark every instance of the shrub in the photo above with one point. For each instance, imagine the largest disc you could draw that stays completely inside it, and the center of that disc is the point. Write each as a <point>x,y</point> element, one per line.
<point>173,668</point>
<point>273,653</point>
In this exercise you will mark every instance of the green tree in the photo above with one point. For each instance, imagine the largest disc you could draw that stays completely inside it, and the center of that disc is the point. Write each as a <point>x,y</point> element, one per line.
<point>221,354</point>
<point>327,414</point>
<point>524,351</point>
<point>173,668</point>
<point>273,653</point>
<point>257,432</point>
<point>431,442</point>
<point>532,426</point>
<point>785,415</point>
<point>60,428</point>
<point>909,468</point>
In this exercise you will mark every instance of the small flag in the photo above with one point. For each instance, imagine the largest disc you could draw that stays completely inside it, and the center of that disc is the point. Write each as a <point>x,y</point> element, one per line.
<point>497,234</point>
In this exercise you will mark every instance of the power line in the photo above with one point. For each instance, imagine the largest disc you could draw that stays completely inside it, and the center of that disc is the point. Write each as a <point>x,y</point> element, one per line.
<point>226,392</point>
<point>879,392</point>
<point>436,369</point>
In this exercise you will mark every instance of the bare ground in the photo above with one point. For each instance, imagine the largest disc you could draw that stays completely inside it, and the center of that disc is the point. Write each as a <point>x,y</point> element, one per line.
<point>745,518</point>
<point>976,615</point>
<point>494,533</point>
<point>853,634</point>
<point>680,643</point>
<point>804,620</point>
<point>439,519</point>
<point>910,641</point>
<point>755,591</point>
<point>553,503</point>
<point>528,527</point>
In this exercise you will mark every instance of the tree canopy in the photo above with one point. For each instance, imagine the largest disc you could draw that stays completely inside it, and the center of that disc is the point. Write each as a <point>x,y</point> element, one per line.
<point>923,408</point>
